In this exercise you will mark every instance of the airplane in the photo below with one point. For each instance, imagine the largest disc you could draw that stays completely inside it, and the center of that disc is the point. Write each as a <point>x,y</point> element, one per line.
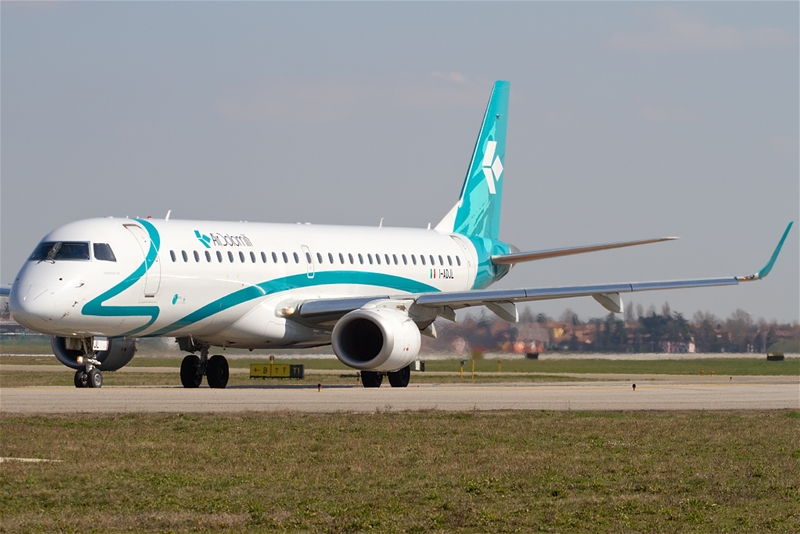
<point>97,285</point>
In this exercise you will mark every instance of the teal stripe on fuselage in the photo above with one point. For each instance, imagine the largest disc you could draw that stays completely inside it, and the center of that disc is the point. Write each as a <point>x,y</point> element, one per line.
<point>296,281</point>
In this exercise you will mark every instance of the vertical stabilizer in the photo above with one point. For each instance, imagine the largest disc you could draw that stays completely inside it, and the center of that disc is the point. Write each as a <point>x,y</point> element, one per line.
<point>478,210</point>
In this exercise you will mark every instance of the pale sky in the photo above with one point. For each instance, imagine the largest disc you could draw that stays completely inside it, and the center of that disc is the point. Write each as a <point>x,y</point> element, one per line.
<point>626,121</point>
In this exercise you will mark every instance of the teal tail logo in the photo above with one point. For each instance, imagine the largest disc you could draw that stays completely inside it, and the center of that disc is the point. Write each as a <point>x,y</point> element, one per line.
<point>203,238</point>
<point>478,210</point>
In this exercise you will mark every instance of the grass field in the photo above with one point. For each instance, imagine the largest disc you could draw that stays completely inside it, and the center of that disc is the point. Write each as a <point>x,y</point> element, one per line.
<point>64,377</point>
<point>756,366</point>
<point>486,371</point>
<point>409,472</point>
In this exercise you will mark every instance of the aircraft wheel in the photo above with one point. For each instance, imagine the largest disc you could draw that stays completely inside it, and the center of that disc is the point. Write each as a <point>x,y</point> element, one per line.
<point>95,378</point>
<point>81,380</point>
<point>401,378</point>
<point>371,379</point>
<point>190,378</point>
<point>217,372</point>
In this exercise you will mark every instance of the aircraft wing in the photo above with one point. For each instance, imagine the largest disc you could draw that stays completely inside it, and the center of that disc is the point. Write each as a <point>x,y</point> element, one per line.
<point>325,312</point>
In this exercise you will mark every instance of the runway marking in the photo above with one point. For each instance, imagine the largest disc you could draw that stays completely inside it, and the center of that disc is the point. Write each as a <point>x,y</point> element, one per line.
<point>28,460</point>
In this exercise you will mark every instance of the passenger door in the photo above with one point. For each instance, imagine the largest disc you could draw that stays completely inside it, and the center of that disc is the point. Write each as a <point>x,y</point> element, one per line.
<point>152,277</point>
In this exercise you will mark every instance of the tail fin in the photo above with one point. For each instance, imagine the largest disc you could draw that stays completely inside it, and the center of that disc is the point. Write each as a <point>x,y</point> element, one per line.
<point>478,210</point>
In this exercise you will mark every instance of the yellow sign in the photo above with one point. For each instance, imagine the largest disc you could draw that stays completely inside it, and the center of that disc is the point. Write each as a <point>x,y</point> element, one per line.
<point>275,370</point>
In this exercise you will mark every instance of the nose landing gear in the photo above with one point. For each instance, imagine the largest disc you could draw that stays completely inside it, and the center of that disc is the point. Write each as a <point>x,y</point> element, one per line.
<point>90,377</point>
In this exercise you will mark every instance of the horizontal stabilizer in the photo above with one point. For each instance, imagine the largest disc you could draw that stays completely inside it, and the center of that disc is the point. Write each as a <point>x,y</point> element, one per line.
<point>519,257</point>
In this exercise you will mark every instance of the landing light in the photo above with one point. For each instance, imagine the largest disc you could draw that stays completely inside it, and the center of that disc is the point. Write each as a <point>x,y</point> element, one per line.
<point>79,359</point>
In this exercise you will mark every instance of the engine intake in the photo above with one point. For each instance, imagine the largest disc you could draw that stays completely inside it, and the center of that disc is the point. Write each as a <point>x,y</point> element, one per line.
<point>377,339</point>
<point>120,352</point>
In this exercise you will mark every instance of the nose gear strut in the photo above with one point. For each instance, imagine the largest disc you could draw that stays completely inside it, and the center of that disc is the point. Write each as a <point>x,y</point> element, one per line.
<point>90,376</point>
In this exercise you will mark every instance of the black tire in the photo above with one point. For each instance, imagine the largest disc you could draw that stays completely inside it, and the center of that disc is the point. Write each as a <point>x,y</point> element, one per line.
<point>95,378</point>
<point>401,378</point>
<point>217,372</point>
<point>190,378</point>
<point>81,380</point>
<point>371,379</point>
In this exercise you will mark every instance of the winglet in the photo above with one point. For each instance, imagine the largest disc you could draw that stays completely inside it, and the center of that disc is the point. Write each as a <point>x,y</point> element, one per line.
<point>768,267</point>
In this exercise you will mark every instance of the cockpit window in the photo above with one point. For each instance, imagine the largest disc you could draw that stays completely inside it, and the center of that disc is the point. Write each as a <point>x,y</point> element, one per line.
<point>60,250</point>
<point>103,252</point>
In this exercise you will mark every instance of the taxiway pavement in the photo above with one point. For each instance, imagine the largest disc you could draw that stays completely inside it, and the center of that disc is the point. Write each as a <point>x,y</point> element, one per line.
<point>741,393</point>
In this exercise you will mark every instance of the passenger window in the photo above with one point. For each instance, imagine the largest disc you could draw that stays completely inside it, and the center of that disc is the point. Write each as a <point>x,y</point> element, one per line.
<point>422,258</point>
<point>441,261</point>
<point>103,252</point>
<point>230,256</point>
<point>319,258</point>
<point>433,261</point>
<point>172,255</point>
<point>185,257</point>
<point>378,258</point>
<point>458,261</point>
<point>350,257</point>
<point>413,259</point>
<point>308,257</point>
<point>394,257</point>
<point>296,257</point>
<point>241,256</point>
<point>263,257</point>
<point>274,258</point>
<point>285,257</point>
<point>330,258</point>
<point>405,261</point>
<point>208,256</point>
<point>386,257</point>
<point>369,257</point>
<point>361,259</point>
<point>196,256</point>
<point>252,256</point>
<point>341,258</point>
<point>219,256</point>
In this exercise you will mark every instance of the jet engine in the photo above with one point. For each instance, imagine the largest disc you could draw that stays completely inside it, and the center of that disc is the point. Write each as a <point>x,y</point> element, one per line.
<point>376,339</point>
<point>120,352</point>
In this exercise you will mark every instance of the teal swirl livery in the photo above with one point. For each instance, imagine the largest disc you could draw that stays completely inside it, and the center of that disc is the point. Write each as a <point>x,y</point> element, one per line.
<point>370,292</point>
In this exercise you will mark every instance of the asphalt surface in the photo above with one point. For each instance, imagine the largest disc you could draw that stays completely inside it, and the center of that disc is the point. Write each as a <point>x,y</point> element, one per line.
<point>669,393</point>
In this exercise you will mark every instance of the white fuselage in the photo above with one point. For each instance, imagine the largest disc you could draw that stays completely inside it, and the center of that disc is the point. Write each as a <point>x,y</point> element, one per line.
<point>225,283</point>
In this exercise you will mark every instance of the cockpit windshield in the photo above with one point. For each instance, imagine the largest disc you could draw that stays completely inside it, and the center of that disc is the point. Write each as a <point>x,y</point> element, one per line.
<point>61,250</point>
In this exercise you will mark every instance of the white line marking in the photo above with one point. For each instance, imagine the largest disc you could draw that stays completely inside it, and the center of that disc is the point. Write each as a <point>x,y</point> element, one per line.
<point>28,460</point>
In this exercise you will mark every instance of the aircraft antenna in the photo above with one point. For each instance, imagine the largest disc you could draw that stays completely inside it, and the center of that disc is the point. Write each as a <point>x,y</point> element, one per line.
<point>380,224</point>
<point>168,213</point>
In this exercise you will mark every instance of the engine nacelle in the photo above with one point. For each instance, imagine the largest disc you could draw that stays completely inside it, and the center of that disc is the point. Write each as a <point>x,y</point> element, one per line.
<point>376,339</point>
<point>120,352</point>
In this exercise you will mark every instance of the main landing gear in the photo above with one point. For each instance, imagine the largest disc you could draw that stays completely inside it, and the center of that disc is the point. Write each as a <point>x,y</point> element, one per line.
<point>398,379</point>
<point>215,369</point>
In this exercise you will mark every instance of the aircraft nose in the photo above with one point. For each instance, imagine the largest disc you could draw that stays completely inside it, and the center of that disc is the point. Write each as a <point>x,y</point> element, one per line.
<point>33,306</point>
